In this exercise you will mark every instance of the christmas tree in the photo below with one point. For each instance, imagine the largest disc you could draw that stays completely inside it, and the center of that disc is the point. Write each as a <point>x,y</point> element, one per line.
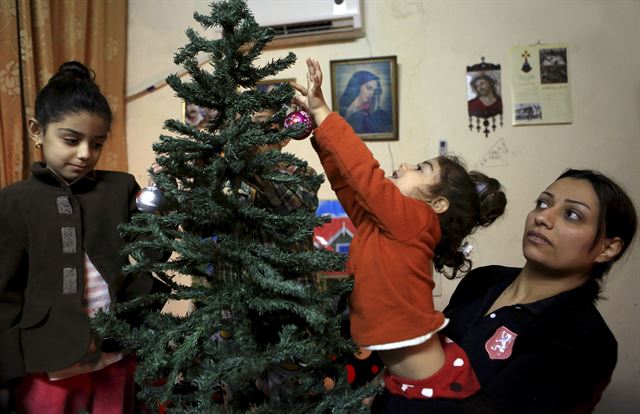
<point>259,338</point>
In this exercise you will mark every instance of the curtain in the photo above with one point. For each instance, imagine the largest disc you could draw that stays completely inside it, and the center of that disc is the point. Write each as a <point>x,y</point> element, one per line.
<point>11,130</point>
<point>36,37</point>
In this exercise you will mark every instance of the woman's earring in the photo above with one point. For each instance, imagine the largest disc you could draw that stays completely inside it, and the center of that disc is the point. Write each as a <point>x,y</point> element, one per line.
<point>38,145</point>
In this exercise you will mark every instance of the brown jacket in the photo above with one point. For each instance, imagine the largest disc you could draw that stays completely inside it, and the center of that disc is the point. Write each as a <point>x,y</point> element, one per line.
<point>46,227</point>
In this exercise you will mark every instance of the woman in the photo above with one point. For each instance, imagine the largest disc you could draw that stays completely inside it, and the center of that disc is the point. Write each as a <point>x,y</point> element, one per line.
<point>360,104</point>
<point>533,335</point>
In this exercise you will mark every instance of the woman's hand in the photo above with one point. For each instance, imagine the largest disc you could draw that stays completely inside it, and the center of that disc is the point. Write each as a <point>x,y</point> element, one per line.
<point>355,106</point>
<point>315,103</point>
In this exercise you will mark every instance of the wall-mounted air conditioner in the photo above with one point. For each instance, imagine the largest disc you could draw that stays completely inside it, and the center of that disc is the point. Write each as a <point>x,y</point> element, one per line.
<point>309,21</point>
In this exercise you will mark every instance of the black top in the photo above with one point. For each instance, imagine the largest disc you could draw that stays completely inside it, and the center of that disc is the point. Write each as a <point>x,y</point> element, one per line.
<point>551,356</point>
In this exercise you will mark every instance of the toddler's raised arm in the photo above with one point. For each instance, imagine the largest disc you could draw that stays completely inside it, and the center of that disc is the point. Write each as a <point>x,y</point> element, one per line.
<point>314,103</point>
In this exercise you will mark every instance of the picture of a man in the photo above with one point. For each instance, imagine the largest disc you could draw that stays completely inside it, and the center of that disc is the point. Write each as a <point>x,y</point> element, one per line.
<point>487,101</point>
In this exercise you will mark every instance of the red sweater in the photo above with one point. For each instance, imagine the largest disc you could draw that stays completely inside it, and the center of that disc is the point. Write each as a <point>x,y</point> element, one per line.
<point>390,255</point>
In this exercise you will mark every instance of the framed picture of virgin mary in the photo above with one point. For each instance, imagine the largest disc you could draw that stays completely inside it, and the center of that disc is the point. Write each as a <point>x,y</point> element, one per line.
<point>365,93</point>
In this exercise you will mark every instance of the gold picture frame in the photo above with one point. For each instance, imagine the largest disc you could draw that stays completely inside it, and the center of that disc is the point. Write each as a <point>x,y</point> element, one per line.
<point>268,84</point>
<point>365,94</point>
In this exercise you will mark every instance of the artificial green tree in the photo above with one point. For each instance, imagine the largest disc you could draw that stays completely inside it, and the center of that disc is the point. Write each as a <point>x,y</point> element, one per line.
<point>184,363</point>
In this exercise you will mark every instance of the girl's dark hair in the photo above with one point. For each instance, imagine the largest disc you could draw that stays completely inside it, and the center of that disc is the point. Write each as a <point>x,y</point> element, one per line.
<point>475,200</point>
<point>616,218</point>
<point>69,91</point>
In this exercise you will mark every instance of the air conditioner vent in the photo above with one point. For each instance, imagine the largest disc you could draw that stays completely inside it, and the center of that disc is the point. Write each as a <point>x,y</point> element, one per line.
<point>299,29</point>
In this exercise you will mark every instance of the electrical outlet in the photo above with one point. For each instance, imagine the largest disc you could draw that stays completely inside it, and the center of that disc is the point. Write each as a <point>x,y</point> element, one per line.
<point>443,147</point>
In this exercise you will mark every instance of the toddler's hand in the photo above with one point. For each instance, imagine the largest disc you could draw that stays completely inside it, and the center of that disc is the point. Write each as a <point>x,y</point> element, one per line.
<point>315,103</point>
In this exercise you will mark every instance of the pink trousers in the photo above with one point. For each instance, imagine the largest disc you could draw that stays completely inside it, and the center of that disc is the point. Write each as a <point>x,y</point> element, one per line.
<point>110,390</point>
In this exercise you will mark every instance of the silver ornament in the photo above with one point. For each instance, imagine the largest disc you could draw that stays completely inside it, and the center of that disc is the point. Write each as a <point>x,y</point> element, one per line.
<point>149,199</point>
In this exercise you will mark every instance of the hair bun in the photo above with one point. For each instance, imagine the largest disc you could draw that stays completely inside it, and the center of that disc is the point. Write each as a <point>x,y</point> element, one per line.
<point>491,198</point>
<point>74,70</point>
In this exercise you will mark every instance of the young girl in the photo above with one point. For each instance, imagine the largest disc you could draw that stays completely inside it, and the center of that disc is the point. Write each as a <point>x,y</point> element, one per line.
<point>60,260</point>
<point>417,217</point>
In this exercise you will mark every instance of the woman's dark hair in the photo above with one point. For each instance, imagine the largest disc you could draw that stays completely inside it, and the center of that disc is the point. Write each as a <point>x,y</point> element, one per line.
<point>69,91</point>
<point>475,200</point>
<point>616,218</point>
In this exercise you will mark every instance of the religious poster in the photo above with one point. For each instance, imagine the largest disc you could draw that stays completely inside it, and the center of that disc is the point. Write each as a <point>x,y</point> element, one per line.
<point>484,97</point>
<point>540,85</point>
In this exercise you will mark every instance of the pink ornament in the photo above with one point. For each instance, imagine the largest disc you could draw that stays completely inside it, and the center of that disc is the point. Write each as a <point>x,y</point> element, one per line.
<point>299,118</point>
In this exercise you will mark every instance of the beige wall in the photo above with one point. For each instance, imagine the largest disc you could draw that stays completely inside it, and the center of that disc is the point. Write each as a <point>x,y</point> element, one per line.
<point>434,42</point>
